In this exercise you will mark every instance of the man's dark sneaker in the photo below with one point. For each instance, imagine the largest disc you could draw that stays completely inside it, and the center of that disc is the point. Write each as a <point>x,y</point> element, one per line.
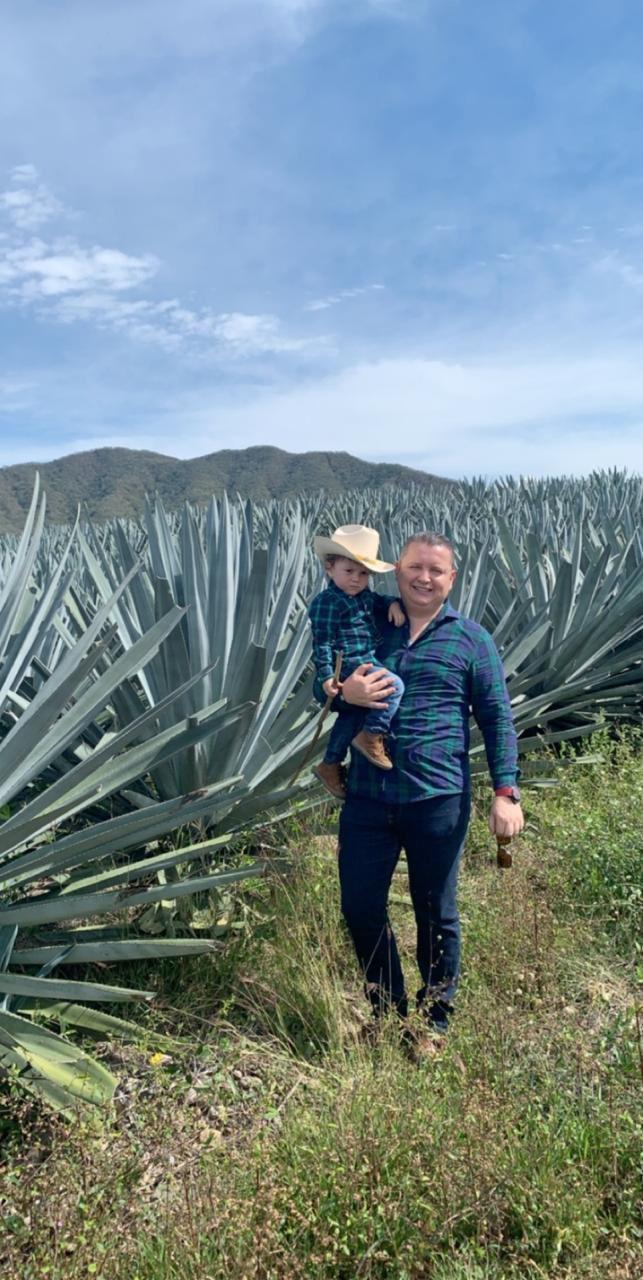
<point>331,777</point>
<point>372,746</point>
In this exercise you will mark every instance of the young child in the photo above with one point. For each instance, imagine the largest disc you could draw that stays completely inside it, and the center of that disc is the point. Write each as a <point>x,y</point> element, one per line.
<point>345,617</point>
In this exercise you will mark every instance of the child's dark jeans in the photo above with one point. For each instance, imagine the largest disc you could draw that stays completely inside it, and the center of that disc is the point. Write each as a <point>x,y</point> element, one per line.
<point>351,719</point>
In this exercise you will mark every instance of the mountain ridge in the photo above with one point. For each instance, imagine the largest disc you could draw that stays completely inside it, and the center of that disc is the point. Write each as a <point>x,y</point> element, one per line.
<point>113,481</point>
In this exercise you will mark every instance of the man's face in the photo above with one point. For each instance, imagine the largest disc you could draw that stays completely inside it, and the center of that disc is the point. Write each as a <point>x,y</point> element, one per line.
<point>425,576</point>
<point>348,575</point>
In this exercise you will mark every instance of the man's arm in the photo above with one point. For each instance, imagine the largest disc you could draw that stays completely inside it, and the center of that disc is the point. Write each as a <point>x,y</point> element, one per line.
<point>492,712</point>
<point>366,687</point>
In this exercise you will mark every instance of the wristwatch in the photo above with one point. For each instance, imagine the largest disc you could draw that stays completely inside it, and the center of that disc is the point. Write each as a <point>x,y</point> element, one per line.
<point>512,793</point>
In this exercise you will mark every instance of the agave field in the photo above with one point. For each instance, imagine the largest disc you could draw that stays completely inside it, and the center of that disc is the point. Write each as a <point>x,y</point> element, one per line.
<point>156,704</point>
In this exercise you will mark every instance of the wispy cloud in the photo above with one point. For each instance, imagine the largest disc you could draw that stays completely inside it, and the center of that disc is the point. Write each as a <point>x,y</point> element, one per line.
<point>36,269</point>
<point>28,203</point>
<point>615,265</point>
<point>322,304</point>
<point>173,327</point>
<point>70,283</point>
<point>256,333</point>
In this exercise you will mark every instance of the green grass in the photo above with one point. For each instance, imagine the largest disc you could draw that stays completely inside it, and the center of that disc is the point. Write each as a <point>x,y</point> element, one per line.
<point>269,1141</point>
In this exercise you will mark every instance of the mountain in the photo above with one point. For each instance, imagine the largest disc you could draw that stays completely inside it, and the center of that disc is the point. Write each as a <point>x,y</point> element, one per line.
<point>113,482</point>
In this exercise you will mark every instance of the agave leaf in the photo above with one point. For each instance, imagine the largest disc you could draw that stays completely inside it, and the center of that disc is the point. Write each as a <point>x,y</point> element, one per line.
<point>52,742</point>
<point>41,1056</point>
<point>49,909</point>
<point>117,835</point>
<point>115,952</point>
<point>8,935</point>
<point>88,1019</point>
<point>515,655</point>
<point>60,989</point>
<point>142,868</point>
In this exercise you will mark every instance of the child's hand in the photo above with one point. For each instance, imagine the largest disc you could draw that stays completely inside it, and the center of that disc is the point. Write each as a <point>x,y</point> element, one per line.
<point>331,687</point>
<point>396,614</point>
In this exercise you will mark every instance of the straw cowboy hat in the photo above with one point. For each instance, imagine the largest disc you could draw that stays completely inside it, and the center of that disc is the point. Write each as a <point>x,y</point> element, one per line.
<point>356,542</point>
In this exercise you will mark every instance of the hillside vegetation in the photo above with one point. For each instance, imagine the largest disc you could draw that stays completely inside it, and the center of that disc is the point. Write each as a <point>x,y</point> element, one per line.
<point>113,482</point>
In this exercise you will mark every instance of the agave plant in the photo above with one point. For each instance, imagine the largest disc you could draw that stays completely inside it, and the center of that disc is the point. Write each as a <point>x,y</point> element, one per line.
<point>58,875</point>
<point>243,636</point>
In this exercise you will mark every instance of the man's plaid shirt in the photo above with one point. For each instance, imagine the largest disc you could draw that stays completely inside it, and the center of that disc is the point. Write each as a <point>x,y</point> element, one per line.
<point>350,623</point>
<point>451,670</point>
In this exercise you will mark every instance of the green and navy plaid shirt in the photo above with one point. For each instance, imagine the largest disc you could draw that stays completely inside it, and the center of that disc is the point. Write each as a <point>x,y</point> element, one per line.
<point>451,670</point>
<point>350,623</point>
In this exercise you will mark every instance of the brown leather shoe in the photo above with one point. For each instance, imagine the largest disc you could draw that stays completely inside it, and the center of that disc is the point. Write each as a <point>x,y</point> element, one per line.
<point>330,776</point>
<point>423,1048</point>
<point>421,1041</point>
<point>371,745</point>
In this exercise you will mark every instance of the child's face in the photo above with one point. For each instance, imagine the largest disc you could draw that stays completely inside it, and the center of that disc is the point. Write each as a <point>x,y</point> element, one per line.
<point>348,575</point>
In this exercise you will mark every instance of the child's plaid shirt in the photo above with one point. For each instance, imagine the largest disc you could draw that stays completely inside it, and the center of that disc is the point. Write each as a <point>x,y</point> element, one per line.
<point>349,623</point>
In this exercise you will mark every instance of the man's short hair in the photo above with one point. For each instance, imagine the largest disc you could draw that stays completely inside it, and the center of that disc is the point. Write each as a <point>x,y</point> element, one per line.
<point>428,539</point>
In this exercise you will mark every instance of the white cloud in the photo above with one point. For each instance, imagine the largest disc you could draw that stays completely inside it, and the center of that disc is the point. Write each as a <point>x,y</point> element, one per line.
<point>537,416</point>
<point>39,270</point>
<point>615,264</point>
<point>173,327</point>
<point>249,334</point>
<point>322,304</point>
<point>27,202</point>
<point>70,283</point>
<point>530,416</point>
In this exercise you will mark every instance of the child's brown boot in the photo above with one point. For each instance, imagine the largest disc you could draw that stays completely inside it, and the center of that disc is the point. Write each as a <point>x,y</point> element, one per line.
<point>330,776</point>
<point>371,745</point>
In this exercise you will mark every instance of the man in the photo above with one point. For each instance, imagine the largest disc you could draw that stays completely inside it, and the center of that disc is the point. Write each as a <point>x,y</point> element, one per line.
<point>450,667</point>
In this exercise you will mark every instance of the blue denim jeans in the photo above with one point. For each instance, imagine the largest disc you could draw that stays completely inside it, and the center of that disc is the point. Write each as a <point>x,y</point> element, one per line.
<point>371,837</point>
<point>351,719</point>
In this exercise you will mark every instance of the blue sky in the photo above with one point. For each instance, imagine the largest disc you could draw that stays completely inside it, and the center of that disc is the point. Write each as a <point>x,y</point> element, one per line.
<point>410,229</point>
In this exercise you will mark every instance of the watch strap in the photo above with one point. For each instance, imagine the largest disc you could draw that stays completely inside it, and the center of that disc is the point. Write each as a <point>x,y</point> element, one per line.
<point>512,793</point>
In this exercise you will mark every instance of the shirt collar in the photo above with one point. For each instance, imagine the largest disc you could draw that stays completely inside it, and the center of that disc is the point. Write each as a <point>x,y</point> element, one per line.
<point>446,613</point>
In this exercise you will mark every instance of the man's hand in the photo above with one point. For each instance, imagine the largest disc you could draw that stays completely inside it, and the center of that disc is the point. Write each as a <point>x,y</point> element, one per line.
<point>506,817</point>
<point>396,614</point>
<point>368,687</point>
<point>331,687</point>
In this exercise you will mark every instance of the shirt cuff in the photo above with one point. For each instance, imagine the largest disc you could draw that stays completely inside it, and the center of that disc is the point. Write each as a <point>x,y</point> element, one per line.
<point>506,780</point>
